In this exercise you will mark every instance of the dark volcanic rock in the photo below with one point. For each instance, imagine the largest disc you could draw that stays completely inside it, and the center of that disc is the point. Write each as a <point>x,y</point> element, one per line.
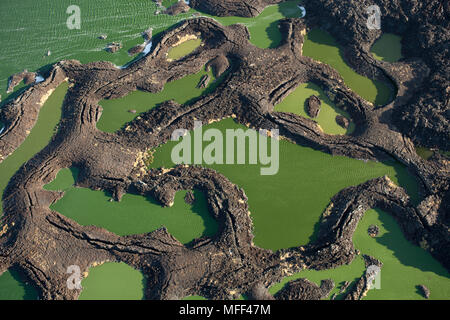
<point>367,281</point>
<point>189,198</point>
<point>113,47</point>
<point>424,291</point>
<point>136,49</point>
<point>177,8</point>
<point>342,121</point>
<point>148,34</point>
<point>373,230</point>
<point>42,242</point>
<point>313,106</point>
<point>219,65</point>
<point>303,289</point>
<point>260,292</point>
<point>15,79</point>
<point>240,8</point>
<point>204,81</point>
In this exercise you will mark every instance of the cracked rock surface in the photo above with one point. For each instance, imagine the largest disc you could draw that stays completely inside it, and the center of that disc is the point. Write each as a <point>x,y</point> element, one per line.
<point>42,243</point>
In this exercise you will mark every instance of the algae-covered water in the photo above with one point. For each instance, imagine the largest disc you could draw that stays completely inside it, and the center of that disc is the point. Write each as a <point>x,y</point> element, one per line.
<point>38,138</point>
<point>13,286</point>
<point>321,46</point>
<point>113,281</point>
<point>134,214</point>
<point>302,188</point>
<point>296,103</point>
<point>116,112</point>
<point>405,266</point>
<point>388,48</point>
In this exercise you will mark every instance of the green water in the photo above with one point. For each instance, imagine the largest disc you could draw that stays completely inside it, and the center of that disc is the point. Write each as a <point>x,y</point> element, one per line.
<point>113,281</point>
<point>404,265</point>
<point>388,48</point>
<point>264,32</point>
<point>296,103</point>
<point>321,46</point>
<point>303,186</point>
<point>183,49</point>
<point>135,214</point>
<point>115,112</point>
<point>31,36</point>
<point>38,138</point>
<point>30,30</point>
<point>14,287</point>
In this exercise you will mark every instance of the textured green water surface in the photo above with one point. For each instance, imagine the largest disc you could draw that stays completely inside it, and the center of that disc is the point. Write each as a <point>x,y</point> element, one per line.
<point>134,214</point>
<point>405,266</point>
<point>116,112</point>
<point>13,286</point>
<point>296,103</point>
<point>388,48</point>
<point>321,46</point>
<point>303,186</point>
<point>183,49</point>
<point>38,138</point>
<point>113,281</point>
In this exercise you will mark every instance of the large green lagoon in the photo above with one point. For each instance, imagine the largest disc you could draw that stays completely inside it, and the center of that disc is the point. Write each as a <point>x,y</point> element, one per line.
<point>286,207</point>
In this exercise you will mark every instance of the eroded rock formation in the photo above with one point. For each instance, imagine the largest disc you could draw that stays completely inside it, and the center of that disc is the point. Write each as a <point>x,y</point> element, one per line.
<point>42,243</point>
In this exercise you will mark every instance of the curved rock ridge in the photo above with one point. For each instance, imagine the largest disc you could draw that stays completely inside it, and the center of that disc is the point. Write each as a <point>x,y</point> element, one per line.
<point>43,243</point>
<point>422,108</point>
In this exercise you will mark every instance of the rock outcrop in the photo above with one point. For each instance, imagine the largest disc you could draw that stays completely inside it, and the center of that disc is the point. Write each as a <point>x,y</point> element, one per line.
<point>41,242</point>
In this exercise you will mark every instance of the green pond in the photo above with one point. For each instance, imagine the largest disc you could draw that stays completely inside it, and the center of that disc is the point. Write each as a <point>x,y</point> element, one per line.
<point>183,49</point>
<point>116,112</point>
<point>135,214</point>
<point>306,179</point>
<point>405,266</point>
<point>13,286</point>
<point>296,103</point>
<point>303,186</point>
<point>321,46</point>
<point>388,48</point>
<point>113,281</point>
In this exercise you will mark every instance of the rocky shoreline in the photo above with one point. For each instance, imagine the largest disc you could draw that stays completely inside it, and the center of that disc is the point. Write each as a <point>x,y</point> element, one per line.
<point>228,264</point>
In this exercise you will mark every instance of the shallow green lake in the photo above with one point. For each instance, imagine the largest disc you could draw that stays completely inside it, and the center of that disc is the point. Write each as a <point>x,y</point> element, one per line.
<point>321,46</point>
<point>303,186</point>
<point>113,281</point>
<point>404,265</point>
<point>306,179</point>
<point>13,286</point>
<point>388,48</point>
<point>135,214</point>
<point>116,112</point>
<point>296,103</point>
<point>183,49</point>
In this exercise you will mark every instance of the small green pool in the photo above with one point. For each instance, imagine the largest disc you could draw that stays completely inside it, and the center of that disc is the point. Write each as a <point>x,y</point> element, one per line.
<point>113,281</point>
